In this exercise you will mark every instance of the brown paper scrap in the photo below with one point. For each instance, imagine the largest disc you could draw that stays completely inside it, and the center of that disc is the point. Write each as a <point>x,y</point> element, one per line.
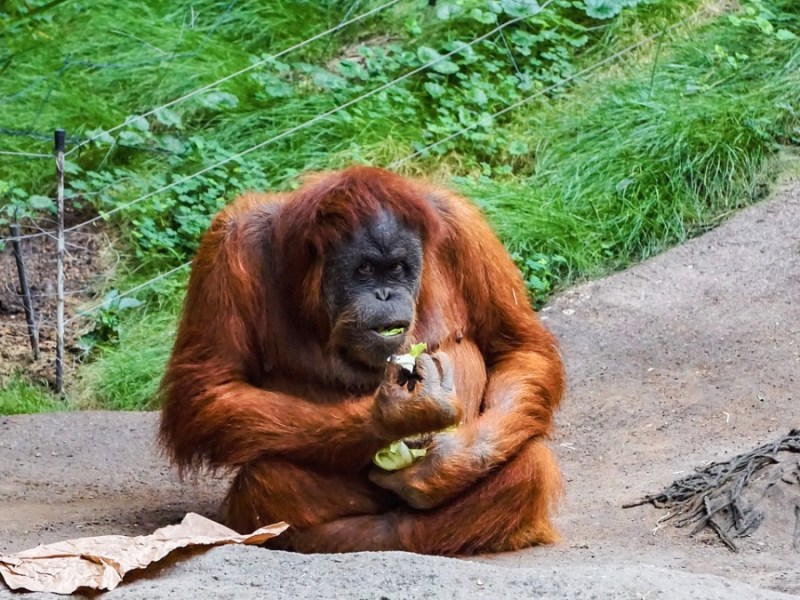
<point>101,562</point>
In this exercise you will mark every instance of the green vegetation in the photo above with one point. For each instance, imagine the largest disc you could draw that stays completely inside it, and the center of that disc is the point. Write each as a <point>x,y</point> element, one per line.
<point>630,165</point>
<point>18,397</point>
<point>609,168</point>
<point>125,376</point>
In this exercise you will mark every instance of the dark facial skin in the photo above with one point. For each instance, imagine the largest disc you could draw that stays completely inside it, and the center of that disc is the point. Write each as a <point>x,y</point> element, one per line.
<point>370,285</point>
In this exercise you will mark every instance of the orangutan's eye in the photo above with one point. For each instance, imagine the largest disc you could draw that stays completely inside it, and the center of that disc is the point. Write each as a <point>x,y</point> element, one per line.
<point>364,270</point>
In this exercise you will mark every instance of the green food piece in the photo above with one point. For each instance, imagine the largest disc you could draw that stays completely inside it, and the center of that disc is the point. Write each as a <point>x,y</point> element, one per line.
<point>391,332</point>
<point>397,456</point>
<point>407,361</point>
<point>418,349</point>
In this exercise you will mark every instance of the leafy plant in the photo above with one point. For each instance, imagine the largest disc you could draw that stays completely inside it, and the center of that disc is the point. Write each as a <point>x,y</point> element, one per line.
<point>17,205</point>
<point>756,15</point>
<point>541,272</point>
<point>607,9</point>
<point>168,225</point>
<point>106,321</point>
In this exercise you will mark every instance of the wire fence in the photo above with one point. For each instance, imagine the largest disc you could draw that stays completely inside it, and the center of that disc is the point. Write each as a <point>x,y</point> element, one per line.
<point>255,65</point>
<point>498,30</point>
<point>284,134</point>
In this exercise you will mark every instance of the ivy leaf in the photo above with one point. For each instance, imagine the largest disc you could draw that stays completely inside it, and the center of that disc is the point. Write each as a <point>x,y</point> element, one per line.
<point>485,120</point>
<point>100,135</point>
<point>129,303</point>
<point>483,16</point>
<point>38,202</point>
<point>603,9</point>
<point>169,118</point>
<point>785,35</point>
<point>131,138</point>
<point>110,298</point>
<point>577,42</point>
<point>71,168</point>
<point>445,67</point>
<point>275,87</point>
<point>466,52</point>
<point>329,81</point>
<point>479,96</point>
<point>494,6</point>
<point>518,148</point>
<point>138,122</point>
<point>520,8</point>
<point>434,89</point>
<point>446,11</point>
<point>350,68</point>
<point>764,25</point>
<point>217,100</point>
<point>427,54</point>
<point>172,143</point>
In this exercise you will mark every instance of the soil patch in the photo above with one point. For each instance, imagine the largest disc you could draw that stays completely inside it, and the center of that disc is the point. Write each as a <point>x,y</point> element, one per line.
<point>88,263</point>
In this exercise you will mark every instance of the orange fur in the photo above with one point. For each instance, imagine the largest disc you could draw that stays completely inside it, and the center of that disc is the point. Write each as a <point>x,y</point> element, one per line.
<point>251,386</point>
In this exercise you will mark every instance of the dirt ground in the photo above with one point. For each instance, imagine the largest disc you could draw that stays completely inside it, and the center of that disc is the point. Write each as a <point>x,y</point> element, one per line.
<point>690,357</point>
<point>88,263</point>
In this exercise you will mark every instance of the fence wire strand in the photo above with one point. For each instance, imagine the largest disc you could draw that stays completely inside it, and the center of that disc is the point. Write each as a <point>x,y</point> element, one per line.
<point>25,154</point>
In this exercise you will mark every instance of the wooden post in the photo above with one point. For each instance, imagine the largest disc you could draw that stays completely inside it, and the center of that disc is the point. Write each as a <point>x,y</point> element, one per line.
<point>60,137</point>
<point>16,248</point>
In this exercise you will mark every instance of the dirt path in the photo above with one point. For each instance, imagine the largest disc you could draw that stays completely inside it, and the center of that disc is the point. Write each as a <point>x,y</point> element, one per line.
<point>690,357</point>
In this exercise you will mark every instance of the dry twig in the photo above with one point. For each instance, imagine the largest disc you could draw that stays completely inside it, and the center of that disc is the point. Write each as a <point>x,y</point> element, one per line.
<point>713,497</point>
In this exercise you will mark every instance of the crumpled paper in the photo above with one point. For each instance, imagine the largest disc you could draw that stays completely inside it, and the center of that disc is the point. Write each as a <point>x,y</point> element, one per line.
<point>101,562</point>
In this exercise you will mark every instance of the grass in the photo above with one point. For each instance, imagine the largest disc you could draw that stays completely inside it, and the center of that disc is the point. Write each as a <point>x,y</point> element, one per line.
<point>18,396</point>
<point>126,377</point>
<point>612,169</point>
<point>629,166</point>
<point>82,70</point>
